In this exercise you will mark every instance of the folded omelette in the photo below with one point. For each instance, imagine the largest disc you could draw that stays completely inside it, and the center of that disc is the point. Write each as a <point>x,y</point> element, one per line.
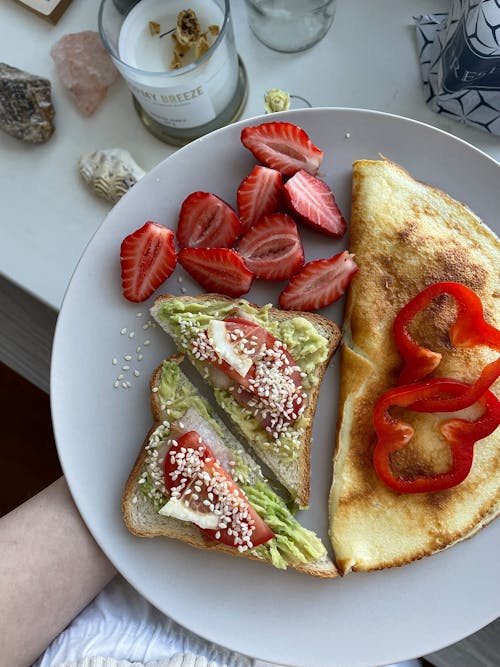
<point>405,236</point>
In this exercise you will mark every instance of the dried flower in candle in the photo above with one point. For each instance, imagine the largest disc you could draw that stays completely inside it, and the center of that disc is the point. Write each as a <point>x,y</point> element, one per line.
<point>180,50</point>
<point>276,100</point>
<point>201,47</point>
<point>188,29</point>
<point>188,38</point>
<point>154,28</point>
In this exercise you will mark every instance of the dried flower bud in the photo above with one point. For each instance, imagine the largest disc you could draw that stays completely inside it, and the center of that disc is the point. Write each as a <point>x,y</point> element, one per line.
<point>188,27</point>
<point>189,42</point>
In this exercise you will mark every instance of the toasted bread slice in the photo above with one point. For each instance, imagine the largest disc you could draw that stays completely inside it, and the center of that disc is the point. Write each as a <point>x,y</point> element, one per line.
<point>406,235</point>
<point>310,338</point>
<point>293,545</point>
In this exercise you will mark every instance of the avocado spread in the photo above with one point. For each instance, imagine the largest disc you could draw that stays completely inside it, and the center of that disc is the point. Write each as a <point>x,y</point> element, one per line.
<point>292,544</point>
<point>308,348</point>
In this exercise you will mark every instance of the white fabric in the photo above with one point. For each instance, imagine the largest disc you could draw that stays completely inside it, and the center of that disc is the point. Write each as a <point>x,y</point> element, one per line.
<point>121,624</point>
<point>121,629</point>
<point>178,660</point>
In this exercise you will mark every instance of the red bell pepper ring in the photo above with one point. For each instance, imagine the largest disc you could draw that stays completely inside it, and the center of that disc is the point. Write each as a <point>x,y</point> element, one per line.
<point>474,392</point>
<point>460,434</point>
<point>469,329</point>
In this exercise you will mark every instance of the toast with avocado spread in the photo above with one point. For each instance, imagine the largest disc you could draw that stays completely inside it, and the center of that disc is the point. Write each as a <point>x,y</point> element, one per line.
<point>195,482</point>
<point>265,367</point>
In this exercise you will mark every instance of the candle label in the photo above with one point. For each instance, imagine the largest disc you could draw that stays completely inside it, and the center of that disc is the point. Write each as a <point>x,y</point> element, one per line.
<point>179,107</point>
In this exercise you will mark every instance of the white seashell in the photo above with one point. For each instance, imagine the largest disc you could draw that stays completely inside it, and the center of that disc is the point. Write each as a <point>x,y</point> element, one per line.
<point>110,172</point>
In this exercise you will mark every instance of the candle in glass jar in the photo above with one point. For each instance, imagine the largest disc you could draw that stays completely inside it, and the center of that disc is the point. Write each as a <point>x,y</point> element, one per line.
<point>201,89</point>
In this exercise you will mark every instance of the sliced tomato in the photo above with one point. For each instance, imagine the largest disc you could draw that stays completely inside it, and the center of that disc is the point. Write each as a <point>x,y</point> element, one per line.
<point>191,469</point>
<point>252,330</point>
<point>244,330</point>
<point>248,400</point>
<point>248,393</point>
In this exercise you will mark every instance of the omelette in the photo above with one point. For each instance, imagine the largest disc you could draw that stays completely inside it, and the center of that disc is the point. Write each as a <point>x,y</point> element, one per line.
<point>405,236</point>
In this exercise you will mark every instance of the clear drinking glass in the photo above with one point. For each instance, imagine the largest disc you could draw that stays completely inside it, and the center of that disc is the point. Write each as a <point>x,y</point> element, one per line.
<point>290,25</point>
<point>176,105</point>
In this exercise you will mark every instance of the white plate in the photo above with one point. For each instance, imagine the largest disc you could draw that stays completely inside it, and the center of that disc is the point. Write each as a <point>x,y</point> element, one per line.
<point>361,620</point>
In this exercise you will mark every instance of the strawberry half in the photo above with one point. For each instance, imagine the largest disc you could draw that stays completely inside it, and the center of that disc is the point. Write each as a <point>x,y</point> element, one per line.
<point>260,193</point>
<point>311,201</point>
<point>206,221</point>
<point>217,270</point>
<point>272,248</point>
<point>147,258</point>
<point>282,146</point>
<point>320,283</point>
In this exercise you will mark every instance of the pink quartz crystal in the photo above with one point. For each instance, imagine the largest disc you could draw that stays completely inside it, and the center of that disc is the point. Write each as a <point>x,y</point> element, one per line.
<point>85,68</point>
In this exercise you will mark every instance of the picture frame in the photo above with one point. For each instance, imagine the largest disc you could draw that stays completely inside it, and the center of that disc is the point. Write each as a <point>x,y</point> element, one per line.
<point>50,10</point>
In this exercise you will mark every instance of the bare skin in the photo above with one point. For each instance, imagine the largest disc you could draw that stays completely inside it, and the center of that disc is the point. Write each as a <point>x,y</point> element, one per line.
<point>50,569</point>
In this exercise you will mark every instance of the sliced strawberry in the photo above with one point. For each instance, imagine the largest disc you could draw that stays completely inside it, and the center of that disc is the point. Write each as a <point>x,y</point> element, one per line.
<point>206,221</point>
<point>319,284</point>
<point>147,258</point>
<point>217,270</point>
<point>195,476</point>
<point>282,146</point>
<point>260,193</point>
<point>311,201</point>
<point>272,248</point>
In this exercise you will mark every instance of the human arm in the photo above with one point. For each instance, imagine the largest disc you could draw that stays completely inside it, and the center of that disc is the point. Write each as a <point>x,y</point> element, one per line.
<point>50,569</point>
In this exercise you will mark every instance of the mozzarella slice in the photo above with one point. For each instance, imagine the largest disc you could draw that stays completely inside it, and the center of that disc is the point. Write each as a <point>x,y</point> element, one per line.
<point>226,350</point>
<point>177,509</point>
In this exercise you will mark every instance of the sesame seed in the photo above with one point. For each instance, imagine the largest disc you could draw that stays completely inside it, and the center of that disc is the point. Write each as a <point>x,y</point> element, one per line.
<point>127,357</point>
<point>276,393</point>
<point>131,334</point>
<point>116,384</point>
<point>123,331</point>
<point>147,342</point>
<point>115,361</point>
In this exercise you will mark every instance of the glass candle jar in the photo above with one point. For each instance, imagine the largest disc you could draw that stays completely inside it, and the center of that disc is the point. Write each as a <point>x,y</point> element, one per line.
<point>178,97</point>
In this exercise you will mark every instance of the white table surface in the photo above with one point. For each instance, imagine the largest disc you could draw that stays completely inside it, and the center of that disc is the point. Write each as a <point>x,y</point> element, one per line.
<point>367,60</point>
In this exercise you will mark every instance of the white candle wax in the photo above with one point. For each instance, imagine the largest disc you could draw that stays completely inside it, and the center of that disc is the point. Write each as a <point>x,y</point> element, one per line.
<point>187,97</point>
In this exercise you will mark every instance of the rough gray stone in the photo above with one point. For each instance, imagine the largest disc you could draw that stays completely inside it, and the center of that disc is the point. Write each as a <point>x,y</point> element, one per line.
<point>26,110</point>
